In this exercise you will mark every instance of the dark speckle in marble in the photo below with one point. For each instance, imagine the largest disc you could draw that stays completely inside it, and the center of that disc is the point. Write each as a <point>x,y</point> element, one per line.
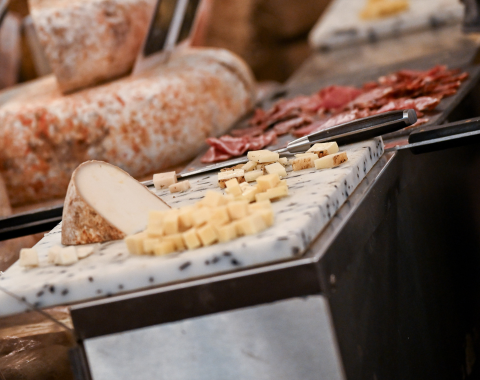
<point>40,293</point>
<point>90,279</point>
<point>235,262</point>
<point>64,292</point>
<point>226,253</point>
<point>185,265</point>
<point>151,279</point>
<point>52,289</point>
<point>295,251</point>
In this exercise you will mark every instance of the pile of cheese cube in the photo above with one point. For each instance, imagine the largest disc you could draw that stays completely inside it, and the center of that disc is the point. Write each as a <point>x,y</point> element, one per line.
<point>57,255</point>
<point>215,218</point>
<point>319,156</point>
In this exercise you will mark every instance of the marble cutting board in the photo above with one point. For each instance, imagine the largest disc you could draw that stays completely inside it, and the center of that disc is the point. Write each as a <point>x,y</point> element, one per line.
<point>315,196</point>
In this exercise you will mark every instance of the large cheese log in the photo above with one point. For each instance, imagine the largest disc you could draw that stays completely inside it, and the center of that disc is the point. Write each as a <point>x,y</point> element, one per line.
<point>89,41</point>
<point>104,203</point>
<point>142,124</point>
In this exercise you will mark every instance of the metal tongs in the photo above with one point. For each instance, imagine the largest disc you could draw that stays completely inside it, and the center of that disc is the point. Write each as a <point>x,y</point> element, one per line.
<point>347,133</point>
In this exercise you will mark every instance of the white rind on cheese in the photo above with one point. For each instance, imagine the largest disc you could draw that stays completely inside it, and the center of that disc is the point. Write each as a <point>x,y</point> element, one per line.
<point>104,203</point>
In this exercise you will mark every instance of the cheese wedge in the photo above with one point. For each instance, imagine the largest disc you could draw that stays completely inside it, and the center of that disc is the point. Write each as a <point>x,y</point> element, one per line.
<point>263,156</point>
<point>104,203</point>
<point>324,149</point>
<point>179,186</point>
<point>276,168</point>
<point>331,160</point>
<point>28,257</point>
<point>164,180</point>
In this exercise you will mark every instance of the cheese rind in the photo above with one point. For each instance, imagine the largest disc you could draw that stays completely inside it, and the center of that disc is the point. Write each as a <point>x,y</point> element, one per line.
<point>164,180</point>
<point>179,186</point>
<point>303,163</point>
<point>28,257</point>
<point>331,160</point>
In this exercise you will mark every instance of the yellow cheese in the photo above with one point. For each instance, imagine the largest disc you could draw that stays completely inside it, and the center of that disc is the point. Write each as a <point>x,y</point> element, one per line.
<point>67,256</point>
<point>272,194</point>
<point>252,224</point>
<point>331,160</point>
<point>191,239</point>
<point>155,230</point>
<point>324,149</point>
<point>53,252</point>
<point>155,217</point>
<point>302,163</point>
<point>223,177</point>
<point>267,181</point>
<point>180,186</point>
<point>28,257</point>
<point>229,198</point>
<point>249,166</point>
<point>135,243</point>
<point>263,156</point>
<point>266,204</point>
<point>276,168</point>
<point>238,209</point>
<point>149,244</point>
<point>201,216</point>
<point>220,216</point>
<point>283,182</point>
<point>284,161</point>
<point>164,248</point>
<point>305,155</point>
<point>250,193</point>
<point>185,218</point>
<point>177,241</point>
<point>227,232</point>
<point>170,222</point>
<point>253,175</point>
<point>212,199</point>
<point>245,186</point>
<point>232,187</point>
<point>207,234</point>
<point>164,180</point>
<point>267,216</point>
<point>238,227</point>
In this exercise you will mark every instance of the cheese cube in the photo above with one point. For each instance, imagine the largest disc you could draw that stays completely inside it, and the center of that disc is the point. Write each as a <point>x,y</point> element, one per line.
<point>276,168</point>
<point>220,216</point>
<point>268,181</point>
<point>155,217</point>
<point>201,216</point>
<point>212,199</point>
<point>267,216</point>
<point>250,193</point>
<point>83,252</point>
<point>164,180</point>
<point>272,194</point>
<point>177,241</point>
<point>207,234</point>
<point>263,156</point>
<point>149,245</point>
<point>324,149</point>
<point>163,248</point>
<point>67,256</point>
<point>238,227</point>
<point>249,166</point>
<point>191,239</point>
<point>253,175</point>
<point>28,257</point>
<point>227,232</point>
<point>179,187</point>
<point>229,198</point>
<point>263,166</point>
<point>170,222</point>
<point>283,182</point>
<point>302,163</point>
<point>223,177</point>
<point>305,155</point>
<point>155,230</point>
<point>260,197</point>
<point>53,252</point>
<point>331,160</point>
<point>135,243</point>
<point>238,209</point>
<point>252,224</point>
<point>185,218</point>
<point>266,204</point>
<point>233,187</point>
<point>245,186</point>
<point>284,161</point>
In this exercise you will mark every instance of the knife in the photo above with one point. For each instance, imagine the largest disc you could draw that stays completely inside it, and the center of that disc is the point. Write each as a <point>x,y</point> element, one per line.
<point>346,133</point>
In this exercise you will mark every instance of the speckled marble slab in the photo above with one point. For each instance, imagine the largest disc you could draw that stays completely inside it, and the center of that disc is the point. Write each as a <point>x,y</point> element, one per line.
<point>315,196</point>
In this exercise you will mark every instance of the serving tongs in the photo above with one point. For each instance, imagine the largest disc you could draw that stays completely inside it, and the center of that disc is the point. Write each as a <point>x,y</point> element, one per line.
<point>346,133</point>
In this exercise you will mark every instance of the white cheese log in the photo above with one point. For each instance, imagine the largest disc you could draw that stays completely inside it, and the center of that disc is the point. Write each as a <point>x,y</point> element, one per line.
<point>137,123</point>
<point>104,203</point>
<point>89,41</point>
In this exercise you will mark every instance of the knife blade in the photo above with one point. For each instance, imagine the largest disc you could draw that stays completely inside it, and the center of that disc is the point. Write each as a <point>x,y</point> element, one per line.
<point>346,133</point>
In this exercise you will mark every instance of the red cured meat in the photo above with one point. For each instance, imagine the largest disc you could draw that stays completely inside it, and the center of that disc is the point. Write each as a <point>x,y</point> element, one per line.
<point>262,141</point>
<point>235,146</point>
<point>334,97</point>
<point>370,99</point>
<point>285,126</point>
<point>250,131</point>
<point>214,155</point>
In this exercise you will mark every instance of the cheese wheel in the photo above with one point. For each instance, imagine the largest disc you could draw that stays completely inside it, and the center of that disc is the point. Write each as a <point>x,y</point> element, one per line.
<point>104,203</point>
<point>142,124</point>
<point>89,41</point>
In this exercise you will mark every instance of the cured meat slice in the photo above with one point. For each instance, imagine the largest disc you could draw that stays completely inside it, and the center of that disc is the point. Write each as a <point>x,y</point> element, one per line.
<point>90,41</point>
<point>286,126</point>
<point>138,123</point>
<point>334,97</point>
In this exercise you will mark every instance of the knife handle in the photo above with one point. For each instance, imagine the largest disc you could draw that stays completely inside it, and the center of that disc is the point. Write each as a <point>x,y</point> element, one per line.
<point>366,128</point>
